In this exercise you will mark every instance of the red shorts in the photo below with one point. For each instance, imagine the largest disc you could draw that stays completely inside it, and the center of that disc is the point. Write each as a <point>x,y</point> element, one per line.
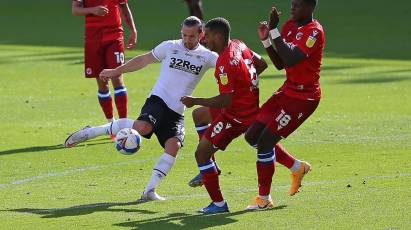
<point>99,55</point>
<point>215,112</point>
<point>283,114</point>
<point>223,130</point>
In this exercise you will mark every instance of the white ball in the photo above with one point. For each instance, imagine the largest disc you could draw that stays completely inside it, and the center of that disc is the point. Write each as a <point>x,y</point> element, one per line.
<point>128,141</point>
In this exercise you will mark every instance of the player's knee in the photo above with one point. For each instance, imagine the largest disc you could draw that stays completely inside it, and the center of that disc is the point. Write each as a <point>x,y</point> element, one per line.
<point>172,146</point>
<point>201,115</point>
<point>143,127</point>
<point>267,141</point>
<point>251,138</point>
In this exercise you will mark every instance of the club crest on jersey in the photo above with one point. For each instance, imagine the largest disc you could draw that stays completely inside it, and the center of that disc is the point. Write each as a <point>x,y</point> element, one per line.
<point>298,35</point>
<point>311,39</point>
<point>201,58</point>
<point>89,71</point>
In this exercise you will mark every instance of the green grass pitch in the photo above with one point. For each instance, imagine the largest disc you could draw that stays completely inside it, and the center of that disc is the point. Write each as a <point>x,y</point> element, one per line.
<point>358,141</point>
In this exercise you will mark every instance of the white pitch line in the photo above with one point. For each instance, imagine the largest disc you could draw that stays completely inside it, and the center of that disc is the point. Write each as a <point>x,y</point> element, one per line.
<point>72,171</point>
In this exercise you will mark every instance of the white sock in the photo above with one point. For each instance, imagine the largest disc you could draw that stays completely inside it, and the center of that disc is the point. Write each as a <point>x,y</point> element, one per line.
<point>296,166</point>
<point>110,128</point>
<point>220,204</point>
<point>161,169</point>
<point>265,197</point>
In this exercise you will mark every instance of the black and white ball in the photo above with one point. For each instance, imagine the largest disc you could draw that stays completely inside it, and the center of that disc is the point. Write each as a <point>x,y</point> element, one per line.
<point>128,141</point>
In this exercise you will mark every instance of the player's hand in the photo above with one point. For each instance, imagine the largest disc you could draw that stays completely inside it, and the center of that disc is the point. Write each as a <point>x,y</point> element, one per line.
<point>263,30</point>
<point>132,40</point>
<point>188,101</point>
<point>274,18</point>
<point>100,10</point>
<point>107,74</point>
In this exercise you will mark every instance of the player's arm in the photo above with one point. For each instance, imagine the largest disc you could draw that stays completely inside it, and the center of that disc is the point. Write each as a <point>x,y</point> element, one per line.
<point>289,55</point>
<point>263,32</point>
<point>134,64</point>
<point>221,101</point>
<point>259,63</point>
<point>78,9</point>
<point>128,18</point>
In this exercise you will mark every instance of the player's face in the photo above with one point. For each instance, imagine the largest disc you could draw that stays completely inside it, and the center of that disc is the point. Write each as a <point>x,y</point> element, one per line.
<point>300,10</point>
<point>210,39</point>
<point>190,36</point>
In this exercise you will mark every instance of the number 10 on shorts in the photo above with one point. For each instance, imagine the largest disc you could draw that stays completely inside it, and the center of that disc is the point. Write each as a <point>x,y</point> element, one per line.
<point>119,57</point>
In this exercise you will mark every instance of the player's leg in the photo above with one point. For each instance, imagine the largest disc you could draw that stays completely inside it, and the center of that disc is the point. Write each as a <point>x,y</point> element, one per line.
<point>115,57</point>
<point>298,168</point>
<point>208,170</point>
<point>220,134</point>
<point>89,132</point>
<point>94,63</point>
<point>202,118</point>
<point>105,100</point>
<point>171,137</point>
<point>161,170</point>
<point>195,8</point>
<point>253,133</point>
<point>265,169</point>
<point>151,111</point>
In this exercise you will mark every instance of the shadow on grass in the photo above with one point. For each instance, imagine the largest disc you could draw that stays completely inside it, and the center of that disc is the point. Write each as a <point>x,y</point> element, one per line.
<point>188,221</point>
<point>80,210</point>
<point>374,80</point>
<point>53,147</point>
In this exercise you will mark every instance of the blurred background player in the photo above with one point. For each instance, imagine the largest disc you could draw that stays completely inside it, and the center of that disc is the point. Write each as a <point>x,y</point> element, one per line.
<point>298,49</point>
<point>104,47</point>
<point>234,108</point>
<point>195,8</point>
<point>183,64</point>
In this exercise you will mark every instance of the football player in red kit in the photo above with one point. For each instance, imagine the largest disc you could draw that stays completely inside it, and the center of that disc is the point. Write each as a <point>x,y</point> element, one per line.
<point>236,105</point>
<point>104,47</point>
<point>299,50</point>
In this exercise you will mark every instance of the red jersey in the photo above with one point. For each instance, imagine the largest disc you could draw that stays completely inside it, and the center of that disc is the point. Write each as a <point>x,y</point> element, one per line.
<point>104,28</point>
<point>303,79</point>
<point>235,74</point>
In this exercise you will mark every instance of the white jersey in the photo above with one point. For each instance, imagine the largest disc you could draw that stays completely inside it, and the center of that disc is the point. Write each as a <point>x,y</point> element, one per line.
<point>181,70</point>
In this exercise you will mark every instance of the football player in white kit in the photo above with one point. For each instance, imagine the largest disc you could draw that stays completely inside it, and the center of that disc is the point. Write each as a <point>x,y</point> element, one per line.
<point>183,64</point>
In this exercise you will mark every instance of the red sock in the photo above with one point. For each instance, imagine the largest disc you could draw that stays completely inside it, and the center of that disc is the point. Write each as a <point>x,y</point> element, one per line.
<point>106,103</point>
<point>211,182</point>
<point>265,174</point>
<point>121,99</point>
<point>283,157</point>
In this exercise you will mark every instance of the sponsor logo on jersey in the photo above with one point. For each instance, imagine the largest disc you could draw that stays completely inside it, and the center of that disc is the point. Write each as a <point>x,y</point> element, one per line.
<point>186,66</point>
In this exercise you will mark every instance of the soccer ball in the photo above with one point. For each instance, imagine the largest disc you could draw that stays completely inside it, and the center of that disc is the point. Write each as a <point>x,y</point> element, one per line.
<point>128,141</point>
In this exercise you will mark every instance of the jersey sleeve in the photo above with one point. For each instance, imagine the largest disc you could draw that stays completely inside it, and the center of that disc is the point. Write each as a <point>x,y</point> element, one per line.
<point>226,78</point>
<point>310,41</point>
<point>212,61</point>
<point>122,2</point>
<point>160,51</point>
